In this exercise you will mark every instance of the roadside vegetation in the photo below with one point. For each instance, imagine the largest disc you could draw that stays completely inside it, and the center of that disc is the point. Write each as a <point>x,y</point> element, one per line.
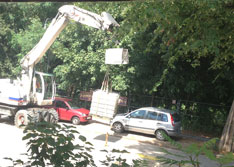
<point>192,152</point>
<point>62,145</point>
<point>56,145</point>
<point>179,50</point>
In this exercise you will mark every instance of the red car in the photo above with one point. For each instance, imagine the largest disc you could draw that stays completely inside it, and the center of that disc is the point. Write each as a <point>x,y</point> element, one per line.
<point>67,111</point>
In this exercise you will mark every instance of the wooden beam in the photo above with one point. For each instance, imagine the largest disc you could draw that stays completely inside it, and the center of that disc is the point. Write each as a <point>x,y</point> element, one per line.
<point>226,143</point>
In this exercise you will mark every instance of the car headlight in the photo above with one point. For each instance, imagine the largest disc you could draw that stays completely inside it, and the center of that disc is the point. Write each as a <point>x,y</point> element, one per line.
<point>82,114</point>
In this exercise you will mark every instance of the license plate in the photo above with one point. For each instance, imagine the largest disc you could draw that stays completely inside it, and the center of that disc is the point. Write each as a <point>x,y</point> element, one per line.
<point>88,117</point>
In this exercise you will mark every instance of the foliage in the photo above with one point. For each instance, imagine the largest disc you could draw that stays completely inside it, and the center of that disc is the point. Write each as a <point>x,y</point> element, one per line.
<point>178,49</point>
<point>192,152</point>
<point>56,145</point>
<point>113,161</point>
<point>6,60</point>
<point>182,43</point>
<point>83,55</point>
<point>53,144</point>
<point>21,28</point>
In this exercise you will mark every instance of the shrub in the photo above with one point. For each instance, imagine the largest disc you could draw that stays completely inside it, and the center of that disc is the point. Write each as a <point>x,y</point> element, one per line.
<point>53,145</point>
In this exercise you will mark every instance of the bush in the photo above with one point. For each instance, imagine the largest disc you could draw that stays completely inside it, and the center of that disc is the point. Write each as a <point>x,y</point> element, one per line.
<point>53,145</point>
<point>192,153</point>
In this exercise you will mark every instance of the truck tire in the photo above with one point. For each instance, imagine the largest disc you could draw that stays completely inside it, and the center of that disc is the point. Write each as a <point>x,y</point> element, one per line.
<point>54,116</point>
<point>21,118</point>
<point>33,116</point>
<point>50,116</point>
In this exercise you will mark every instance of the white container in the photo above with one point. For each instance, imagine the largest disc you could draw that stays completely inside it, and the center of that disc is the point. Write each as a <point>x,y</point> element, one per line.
<point>104,104</point>
<point>116,56</point>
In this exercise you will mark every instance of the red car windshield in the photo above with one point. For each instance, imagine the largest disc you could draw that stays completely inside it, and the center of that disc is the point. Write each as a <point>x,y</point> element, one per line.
<point>73,105</point>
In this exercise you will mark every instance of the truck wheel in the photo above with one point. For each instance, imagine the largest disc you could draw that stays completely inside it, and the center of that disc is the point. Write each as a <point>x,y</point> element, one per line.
<point>21,118</point>
<point>118,127</point>
<point>33,116</point>
<point>50,116</point>
<point>159,135</point>
<point>75,120</point>
<point>54,116</point>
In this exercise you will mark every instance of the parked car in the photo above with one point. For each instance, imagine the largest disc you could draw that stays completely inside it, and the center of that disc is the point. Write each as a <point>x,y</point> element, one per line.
<point>68,111</point>
<point>149,120</point>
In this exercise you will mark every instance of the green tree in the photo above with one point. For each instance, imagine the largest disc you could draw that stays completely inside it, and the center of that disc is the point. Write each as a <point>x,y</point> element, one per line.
<point>193,48</point>
<point>21,29</point>
<point>177,49</point>
<point>82,51</point>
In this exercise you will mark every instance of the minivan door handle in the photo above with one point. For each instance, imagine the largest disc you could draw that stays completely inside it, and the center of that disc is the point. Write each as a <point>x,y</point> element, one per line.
<point>159,124</point>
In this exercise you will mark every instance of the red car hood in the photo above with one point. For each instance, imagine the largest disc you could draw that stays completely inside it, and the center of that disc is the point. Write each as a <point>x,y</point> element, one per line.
<point>83,110</point>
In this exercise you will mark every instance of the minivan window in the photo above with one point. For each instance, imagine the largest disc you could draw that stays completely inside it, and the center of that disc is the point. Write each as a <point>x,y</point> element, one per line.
<point>138,114</point>
<point>162,117</point>
<point>151,115</point>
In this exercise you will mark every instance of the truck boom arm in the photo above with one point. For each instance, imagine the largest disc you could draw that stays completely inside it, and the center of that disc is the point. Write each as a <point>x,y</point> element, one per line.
<point>66,13</point>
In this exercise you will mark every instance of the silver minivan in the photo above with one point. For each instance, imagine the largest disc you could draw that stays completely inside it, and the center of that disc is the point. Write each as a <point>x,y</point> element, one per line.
<point>149,120</point>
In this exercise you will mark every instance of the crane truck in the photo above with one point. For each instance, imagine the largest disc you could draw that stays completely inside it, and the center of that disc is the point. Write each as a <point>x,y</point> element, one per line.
<point>32,92</point>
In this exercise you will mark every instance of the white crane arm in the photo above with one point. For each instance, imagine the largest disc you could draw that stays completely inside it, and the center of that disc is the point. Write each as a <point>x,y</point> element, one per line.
<point>89,18</point>
<point>67,12</point>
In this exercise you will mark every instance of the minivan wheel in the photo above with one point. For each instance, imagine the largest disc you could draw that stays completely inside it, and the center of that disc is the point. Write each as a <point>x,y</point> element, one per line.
<point>118,127</point>
<point>159,135</point>
<point>75,121</point>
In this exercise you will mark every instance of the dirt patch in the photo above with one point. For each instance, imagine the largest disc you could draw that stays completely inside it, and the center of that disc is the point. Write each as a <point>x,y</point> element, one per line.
<point>199,134</point>
<point>185,140</point>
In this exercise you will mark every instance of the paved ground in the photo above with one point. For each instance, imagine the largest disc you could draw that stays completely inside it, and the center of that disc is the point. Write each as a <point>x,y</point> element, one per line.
<point>140,146</point>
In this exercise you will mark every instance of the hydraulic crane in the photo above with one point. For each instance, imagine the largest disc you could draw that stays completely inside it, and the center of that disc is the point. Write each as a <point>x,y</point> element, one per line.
<point>28,96</point>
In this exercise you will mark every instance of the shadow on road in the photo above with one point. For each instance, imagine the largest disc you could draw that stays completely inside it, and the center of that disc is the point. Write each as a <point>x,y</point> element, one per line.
<point>7,120</point>
<point>104,137</point>
<point>69,122</point>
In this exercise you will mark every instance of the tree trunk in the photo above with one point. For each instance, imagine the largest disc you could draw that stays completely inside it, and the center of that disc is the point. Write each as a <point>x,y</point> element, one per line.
<point>227,140</point>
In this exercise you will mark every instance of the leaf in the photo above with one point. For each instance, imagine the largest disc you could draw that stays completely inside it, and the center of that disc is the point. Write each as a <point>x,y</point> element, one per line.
<point>29,135</point>
<point>88,143</point>
<point>119,151</point>
<point>7,158</point>
<point>18,161</point>
<point>82,138</point>
<point>192,149</point>
<point>104,151</point>
<point>225,159</point>
<point>170,153</point>
<point>74,131</point>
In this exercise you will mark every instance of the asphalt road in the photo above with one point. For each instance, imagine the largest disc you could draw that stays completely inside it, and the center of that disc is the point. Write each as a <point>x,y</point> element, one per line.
<point>140,146</point>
